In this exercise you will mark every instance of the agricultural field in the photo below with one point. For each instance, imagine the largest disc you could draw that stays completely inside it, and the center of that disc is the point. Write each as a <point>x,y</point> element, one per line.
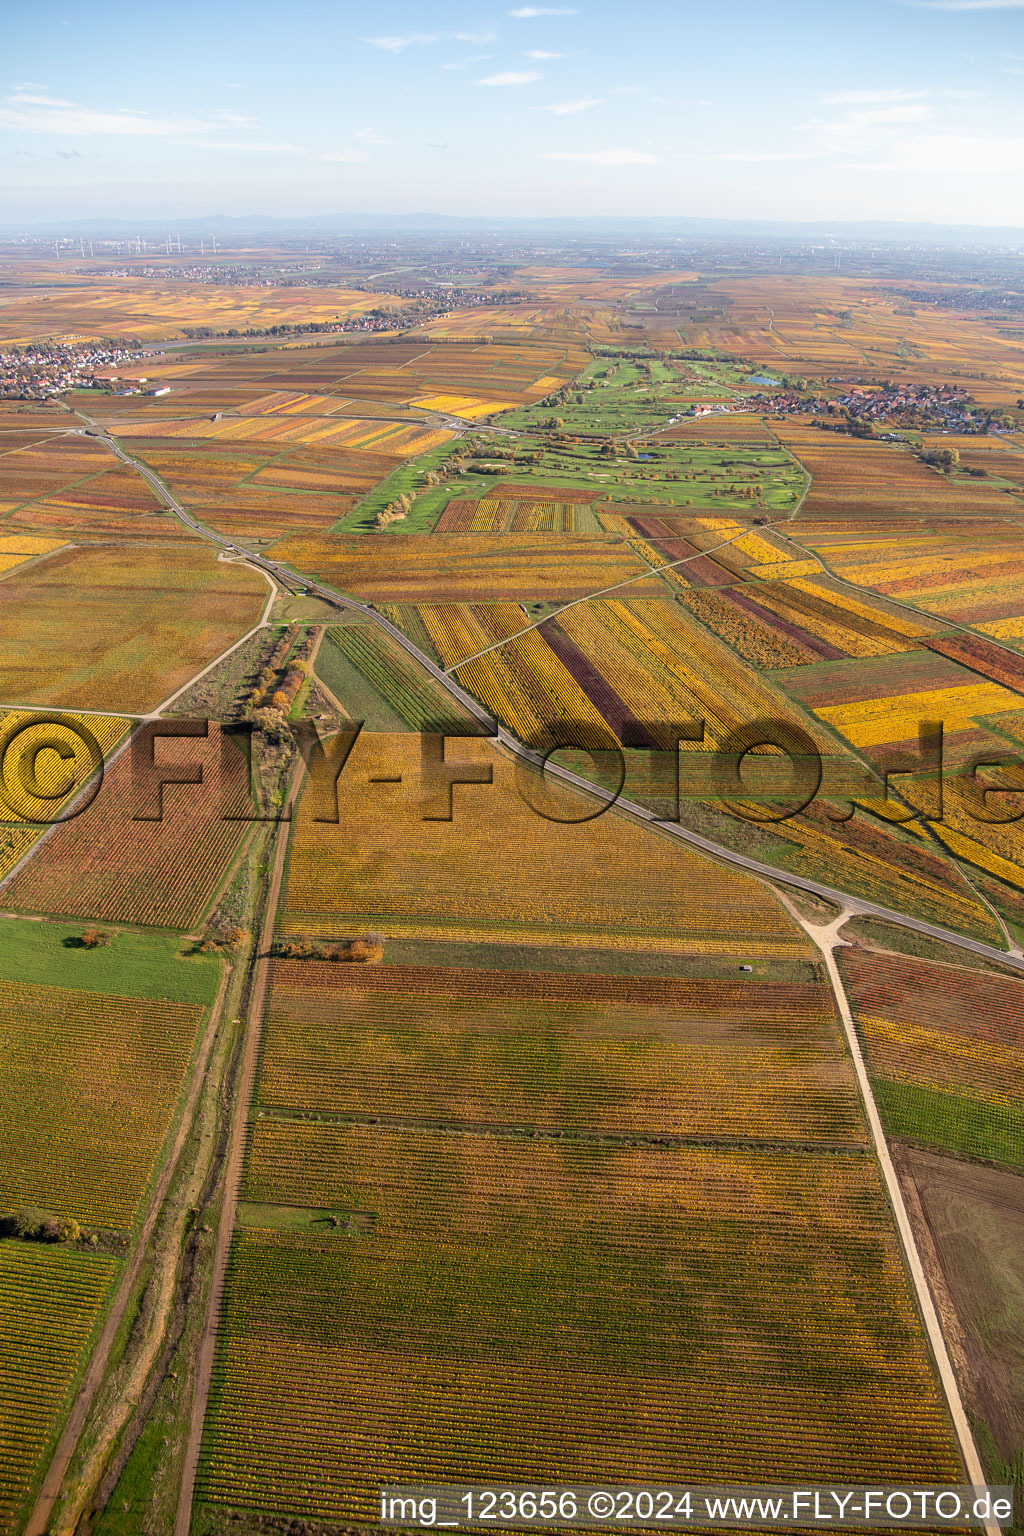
<point>526,1139</point>
<point>508,1305</point>
<point>96,1044</point>
<point>297,438</point>
<point>119,627</point>
<point>416,876</point>
<point>517,514</point>
<point>60,486</point>
<point>388,1147</point>
<point>618,670</point>
<point>628,671</point>
<point>946,1049</point>
<point>465,567</point>
<point>855,478</point>
<point>51,1301</point>
<point>962,580</point>
<point>971,1219</point>
<point>46,765</point>
<point>375,681</point>
<point>162,311</point>
<point>97,1077</point>
<point>138,854</point>
<point>828,327</point>
<point>242,482</point>
<point>315,384</point>
<point>53,459</point>
<point>609,1054</point>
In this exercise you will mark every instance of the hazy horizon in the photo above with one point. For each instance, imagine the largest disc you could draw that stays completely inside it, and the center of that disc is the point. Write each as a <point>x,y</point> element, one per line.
<point>911,114</point>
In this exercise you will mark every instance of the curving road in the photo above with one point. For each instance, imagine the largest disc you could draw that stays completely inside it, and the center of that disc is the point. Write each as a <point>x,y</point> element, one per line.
<point>291,581</point>
<point>825,936</point>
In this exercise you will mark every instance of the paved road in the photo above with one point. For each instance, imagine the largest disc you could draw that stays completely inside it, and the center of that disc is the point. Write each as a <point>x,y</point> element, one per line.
<point>291,581</point>
<point>826,939</point>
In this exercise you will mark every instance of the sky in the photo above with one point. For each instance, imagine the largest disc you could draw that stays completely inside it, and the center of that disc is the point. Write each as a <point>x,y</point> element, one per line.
<point>746,109</point>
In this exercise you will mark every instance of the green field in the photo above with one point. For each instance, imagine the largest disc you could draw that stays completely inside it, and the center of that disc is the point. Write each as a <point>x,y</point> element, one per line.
<point>410,480</point>
<point>377,683</point>
<point>705,478</point>
<point>952,1122</point>
<point>133,964</point>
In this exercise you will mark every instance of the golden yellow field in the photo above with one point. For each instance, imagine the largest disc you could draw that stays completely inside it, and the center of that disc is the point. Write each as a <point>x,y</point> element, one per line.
<point>92,307</point>
<point>501,870</point>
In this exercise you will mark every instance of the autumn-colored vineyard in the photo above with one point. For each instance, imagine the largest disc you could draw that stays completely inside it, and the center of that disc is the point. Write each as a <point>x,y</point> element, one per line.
<point>122,1060</point>
<point>120,628</point>
<point>685,1058</point>
<point>502,514</point>
<point>854,478</point>
<point>50,1301</point>
<point>603,883</point>
<point>947,1048</point>
<point>121,860</point>
<point>537,1310</point>
<point>465,567</point>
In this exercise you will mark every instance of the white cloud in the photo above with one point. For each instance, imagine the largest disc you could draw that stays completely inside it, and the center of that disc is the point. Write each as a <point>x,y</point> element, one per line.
<point>399,41</point>
<point>39,114</point>
<point>527,12</point>
<point>368,136</point>
<point>478,39</point>
<point>877,117</point>
<point>543,53</point>
<point>49,115</point>
<point>947,154</point>
<point>512,77</point>
<point>857,130</point>
<point>583,104</point>
<point>37,96</point>
<point>868,98</point>
<point>604,156</point>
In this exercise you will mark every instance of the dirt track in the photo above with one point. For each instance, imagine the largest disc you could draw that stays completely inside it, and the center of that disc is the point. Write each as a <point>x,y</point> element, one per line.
<point>234,1163</point>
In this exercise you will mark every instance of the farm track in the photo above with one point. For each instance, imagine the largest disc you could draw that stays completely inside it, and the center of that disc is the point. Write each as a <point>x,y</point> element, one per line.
<point>235,1158</point>
<point>649,570</point>
<point>825,937</point>
<point>853,905</point>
